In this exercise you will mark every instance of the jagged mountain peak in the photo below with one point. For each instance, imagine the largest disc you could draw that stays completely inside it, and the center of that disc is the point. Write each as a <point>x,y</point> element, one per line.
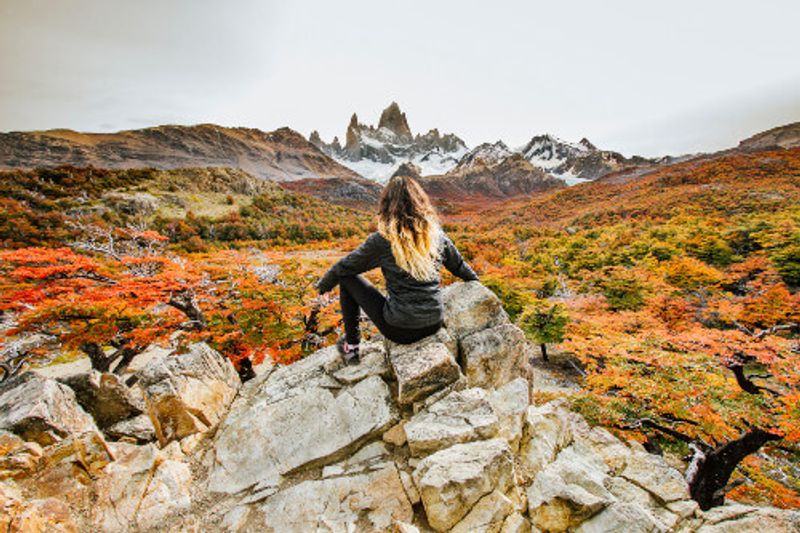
<point>394,120</point>
<point>375,152</point>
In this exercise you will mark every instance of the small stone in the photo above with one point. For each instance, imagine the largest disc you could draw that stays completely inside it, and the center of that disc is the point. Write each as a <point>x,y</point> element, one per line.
<point>396,435</point>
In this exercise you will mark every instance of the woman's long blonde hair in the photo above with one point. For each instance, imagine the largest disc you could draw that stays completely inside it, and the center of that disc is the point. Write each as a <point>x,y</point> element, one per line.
<point>408,220</point>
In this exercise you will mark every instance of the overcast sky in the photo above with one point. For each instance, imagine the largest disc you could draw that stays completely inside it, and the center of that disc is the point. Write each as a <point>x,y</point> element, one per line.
<point>636,76</point>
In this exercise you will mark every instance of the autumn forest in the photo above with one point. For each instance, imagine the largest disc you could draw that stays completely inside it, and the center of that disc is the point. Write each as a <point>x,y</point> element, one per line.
<point>670,300</point>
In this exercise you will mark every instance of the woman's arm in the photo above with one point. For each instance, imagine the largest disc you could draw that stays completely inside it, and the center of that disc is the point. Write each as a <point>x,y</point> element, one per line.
<point>365,257</point>
<point>455,263</point>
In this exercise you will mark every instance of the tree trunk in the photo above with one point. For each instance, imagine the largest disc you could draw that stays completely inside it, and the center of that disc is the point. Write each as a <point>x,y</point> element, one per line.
<point>184,302</point>
<point>97,356</point>
<point>708,483</point>
<point>543,346</point>
<point>127,356</point>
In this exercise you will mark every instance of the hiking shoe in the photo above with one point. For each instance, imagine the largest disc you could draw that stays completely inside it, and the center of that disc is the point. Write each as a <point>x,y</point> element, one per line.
<point>350,357</point>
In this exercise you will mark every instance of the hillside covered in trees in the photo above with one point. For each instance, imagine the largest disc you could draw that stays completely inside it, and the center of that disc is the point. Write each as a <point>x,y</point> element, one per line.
<point>671,299</point>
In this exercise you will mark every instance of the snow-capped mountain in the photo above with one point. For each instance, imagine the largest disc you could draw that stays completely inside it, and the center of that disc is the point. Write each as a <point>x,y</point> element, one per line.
<point>484,155</point>
<point>548,152</point>
<point>576,162</point>
<point>376,152</point>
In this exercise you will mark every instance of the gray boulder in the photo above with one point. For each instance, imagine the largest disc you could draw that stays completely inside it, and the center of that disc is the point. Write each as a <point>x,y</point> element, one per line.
<point>492,357</point>
<point>423,368</point>
<point>299,416</point>
<point>569,490</point>
<point>461,416</point>
<point>41,410</point>
<point>188,393</point>
<point>470,307</point>
<point>453,480</point>
<point>374,498</point>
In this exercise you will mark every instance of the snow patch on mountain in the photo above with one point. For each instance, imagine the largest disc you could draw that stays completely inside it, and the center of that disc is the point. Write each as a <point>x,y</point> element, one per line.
<point>549,152</point>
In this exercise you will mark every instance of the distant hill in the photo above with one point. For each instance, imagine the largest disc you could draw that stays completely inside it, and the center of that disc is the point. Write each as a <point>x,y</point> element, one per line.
<point>787,136</point>
<point>280,155</point>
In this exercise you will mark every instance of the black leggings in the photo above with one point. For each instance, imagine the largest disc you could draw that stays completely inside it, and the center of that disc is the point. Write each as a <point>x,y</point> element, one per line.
<point>356,293</point>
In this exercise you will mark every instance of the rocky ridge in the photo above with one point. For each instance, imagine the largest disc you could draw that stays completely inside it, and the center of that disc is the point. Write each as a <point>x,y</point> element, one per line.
<point>782,137</point>
<point>436,436</point>
<point>280,155</point>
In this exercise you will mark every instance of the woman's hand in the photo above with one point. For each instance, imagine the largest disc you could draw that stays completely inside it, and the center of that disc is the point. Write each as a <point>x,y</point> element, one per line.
<point>323,300</point>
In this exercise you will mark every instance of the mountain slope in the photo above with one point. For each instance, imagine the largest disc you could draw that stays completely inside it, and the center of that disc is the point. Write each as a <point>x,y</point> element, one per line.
<point>787,136</point>
<point>279,155</point>
<point>725,184</point>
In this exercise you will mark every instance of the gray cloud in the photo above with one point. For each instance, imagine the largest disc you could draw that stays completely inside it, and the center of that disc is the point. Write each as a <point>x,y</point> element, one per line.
<point>636,76</point>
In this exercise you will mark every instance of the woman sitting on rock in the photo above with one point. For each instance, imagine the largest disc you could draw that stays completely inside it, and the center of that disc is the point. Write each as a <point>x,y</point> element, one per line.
<point>409,247</point>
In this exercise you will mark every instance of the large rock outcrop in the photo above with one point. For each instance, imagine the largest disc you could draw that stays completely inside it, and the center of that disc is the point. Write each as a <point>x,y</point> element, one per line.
<point>492,350</point>
<point>319,446</point>
<point>301,415</point>
<point>453,480</point>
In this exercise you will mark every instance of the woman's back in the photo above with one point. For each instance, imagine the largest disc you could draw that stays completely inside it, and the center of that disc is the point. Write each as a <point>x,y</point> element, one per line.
<point>410,302</point>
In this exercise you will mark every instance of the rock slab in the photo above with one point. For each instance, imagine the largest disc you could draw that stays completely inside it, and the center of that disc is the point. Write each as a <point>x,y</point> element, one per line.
<point>300,416</point>
<point>41,410</point>
<point>453,480</point>
<point>188,393</point>
<point>422,369</point>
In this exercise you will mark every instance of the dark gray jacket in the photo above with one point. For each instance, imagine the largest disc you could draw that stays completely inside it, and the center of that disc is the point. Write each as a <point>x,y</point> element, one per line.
<point>410,303</point>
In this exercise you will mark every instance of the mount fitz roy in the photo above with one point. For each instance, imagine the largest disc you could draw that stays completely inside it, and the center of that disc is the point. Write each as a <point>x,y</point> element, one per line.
<point>376,152</point>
